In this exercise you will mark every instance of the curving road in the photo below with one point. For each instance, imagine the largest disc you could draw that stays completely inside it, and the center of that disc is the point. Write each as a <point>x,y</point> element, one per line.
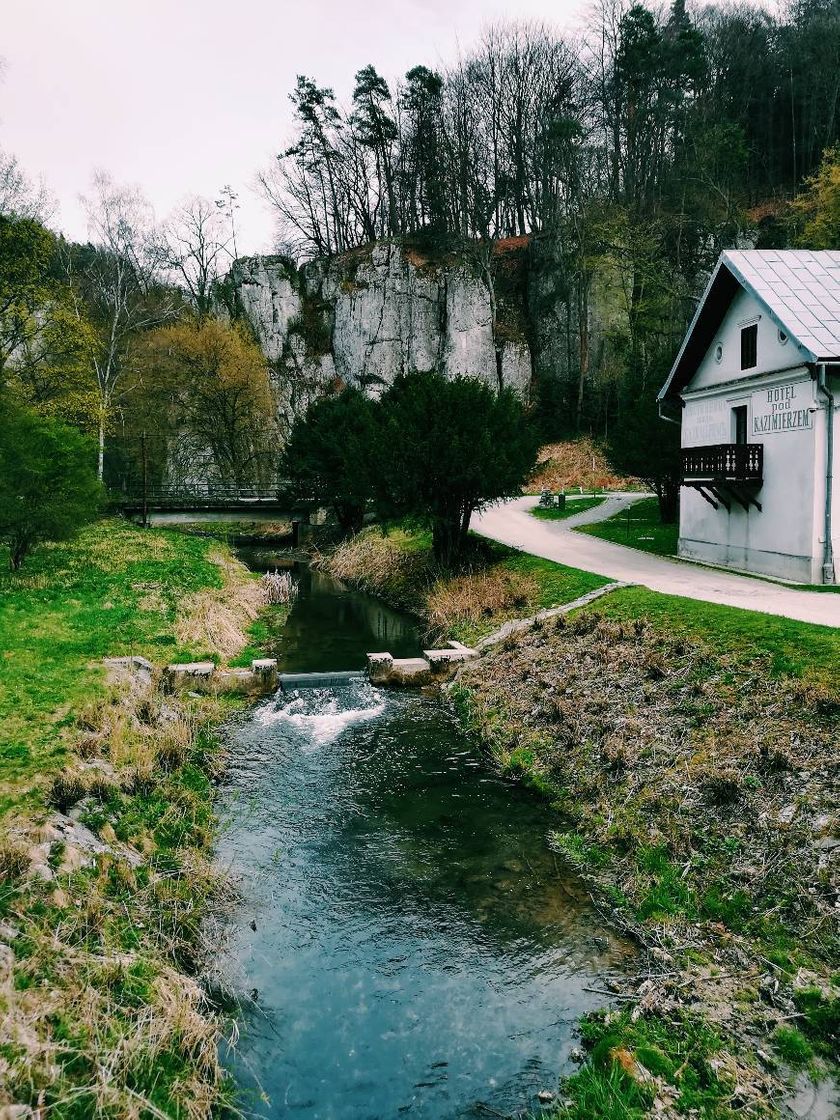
<point>511,523</point>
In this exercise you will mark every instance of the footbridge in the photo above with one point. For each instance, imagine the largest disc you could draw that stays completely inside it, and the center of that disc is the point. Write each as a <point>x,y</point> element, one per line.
<point>221,499</point>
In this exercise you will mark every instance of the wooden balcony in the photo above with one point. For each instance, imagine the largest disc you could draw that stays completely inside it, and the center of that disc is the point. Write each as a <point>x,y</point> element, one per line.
<point>723,472</point>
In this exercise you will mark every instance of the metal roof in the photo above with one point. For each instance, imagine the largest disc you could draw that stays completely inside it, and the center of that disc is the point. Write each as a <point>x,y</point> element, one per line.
<point>800,289</point>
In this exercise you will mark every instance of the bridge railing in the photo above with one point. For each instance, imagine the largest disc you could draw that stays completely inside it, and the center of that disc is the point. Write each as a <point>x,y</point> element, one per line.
<point>214,497</point>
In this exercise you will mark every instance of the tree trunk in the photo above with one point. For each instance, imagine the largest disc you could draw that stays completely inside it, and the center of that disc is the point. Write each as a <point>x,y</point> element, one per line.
<point>583,353</point>
<point>18,552</point>
<point>668,494</point>
<point>445,541</point>
<point>100,462</point>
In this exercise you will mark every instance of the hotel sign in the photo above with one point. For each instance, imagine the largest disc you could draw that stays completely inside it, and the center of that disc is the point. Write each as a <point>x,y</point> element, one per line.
<point>780,410</point>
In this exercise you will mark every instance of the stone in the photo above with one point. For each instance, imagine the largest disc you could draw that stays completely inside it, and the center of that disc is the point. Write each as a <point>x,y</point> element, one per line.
<point>545,1096</point>
<point>410,672</point>
<point>7,963</point>
<point>195,675</point>
<point>136,671</point>
<point>379,666</point>
<point>366,316</point>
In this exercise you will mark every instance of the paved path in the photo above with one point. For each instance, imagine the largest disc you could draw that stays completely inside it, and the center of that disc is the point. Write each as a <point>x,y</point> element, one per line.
<point>512,524</point>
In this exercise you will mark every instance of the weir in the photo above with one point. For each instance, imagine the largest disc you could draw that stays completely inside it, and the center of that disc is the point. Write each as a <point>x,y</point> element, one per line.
<point>291,681</point>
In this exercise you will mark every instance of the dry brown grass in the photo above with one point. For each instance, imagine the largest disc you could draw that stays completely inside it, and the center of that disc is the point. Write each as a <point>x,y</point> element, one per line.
<point>100,1015</point>
<point>118,1012</point>
<point>383,566</point>
<point>660,742</point>
<point>578,462</point>
<point>493,593</point>
<point>696,792</point>
<point>217,618</point>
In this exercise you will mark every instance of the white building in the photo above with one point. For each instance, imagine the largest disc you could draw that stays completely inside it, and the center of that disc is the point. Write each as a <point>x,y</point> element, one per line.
<point>755,382</point>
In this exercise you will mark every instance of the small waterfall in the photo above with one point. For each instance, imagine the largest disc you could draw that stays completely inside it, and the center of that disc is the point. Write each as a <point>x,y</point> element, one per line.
<point>326,705</point>
<point>291,681</point>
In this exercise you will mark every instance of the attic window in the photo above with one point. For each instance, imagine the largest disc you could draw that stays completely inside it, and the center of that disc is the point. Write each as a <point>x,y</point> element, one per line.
<point>749,346</point>
<point>782,336</point>
<point>719,353</point>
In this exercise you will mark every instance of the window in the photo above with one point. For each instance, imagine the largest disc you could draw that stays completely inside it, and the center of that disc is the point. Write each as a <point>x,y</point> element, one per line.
<point>739,423</point>
<point>749,346</point>
<point>719,353</point>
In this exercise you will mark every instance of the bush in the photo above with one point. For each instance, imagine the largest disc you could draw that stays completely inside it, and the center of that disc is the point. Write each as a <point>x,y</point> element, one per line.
<point>448,448</point>
<point>326,460</point>
<point>48,484</point>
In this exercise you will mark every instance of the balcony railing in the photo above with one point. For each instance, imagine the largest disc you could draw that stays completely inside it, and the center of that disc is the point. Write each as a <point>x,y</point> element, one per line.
<point>724,462</point>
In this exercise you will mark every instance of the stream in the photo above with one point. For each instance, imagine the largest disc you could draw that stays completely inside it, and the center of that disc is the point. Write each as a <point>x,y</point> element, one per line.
<point>405,943</point>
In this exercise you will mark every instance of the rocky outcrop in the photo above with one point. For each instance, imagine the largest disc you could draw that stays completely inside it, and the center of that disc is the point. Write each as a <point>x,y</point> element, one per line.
<point>373,313</point>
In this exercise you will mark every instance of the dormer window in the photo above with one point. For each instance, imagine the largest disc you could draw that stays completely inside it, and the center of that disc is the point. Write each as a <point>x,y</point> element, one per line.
<point>749,346</point>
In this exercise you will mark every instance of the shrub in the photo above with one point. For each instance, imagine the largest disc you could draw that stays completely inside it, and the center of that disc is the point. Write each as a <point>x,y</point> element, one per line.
<point>48,484</point>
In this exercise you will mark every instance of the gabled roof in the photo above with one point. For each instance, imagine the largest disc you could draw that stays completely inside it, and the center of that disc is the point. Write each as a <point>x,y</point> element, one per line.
<point>800,290</point>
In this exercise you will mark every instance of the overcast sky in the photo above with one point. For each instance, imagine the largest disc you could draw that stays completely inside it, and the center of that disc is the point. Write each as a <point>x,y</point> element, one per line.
<point>182,97</point>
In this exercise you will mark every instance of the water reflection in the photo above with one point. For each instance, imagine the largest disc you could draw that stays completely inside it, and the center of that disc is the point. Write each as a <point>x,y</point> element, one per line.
<point>331,627</point>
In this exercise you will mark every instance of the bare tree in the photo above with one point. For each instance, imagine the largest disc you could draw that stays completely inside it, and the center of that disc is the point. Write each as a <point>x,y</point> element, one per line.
<point>19,196</point>
<point>119,282</point>
<point>195,245</point>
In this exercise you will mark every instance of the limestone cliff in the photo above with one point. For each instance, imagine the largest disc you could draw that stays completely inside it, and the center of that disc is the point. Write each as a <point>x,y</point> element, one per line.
<point>366,316</point>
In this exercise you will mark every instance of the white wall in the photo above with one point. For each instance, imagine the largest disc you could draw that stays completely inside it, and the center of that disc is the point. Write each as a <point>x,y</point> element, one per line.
<point>784,414</point>
<point>772,353</point>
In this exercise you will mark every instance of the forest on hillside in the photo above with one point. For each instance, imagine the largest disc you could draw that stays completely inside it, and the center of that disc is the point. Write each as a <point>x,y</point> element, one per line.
<point>632,155</point>
<point>623,160</point>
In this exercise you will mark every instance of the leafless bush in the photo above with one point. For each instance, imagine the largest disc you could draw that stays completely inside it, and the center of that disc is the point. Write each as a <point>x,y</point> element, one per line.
<point>279,588</point>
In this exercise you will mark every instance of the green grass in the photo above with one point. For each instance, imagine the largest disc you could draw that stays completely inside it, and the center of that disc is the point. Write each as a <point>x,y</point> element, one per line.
<point>638,526</point>
<point>800,649</point>
<point>579,505</point>
<point>679,1050</point>
<point>96,946</point>
<point>793,1046</point>
<point>111,591</point>
<point>558,583</point>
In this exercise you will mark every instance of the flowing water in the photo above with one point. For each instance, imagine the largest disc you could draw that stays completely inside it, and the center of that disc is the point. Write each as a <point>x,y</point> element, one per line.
<point>405,943</point>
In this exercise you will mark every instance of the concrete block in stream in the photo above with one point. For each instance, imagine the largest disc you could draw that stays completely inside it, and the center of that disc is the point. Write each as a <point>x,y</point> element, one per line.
<point>399,672</point>
<point>443,662</point>
<point>190,676</point>
<point>265,670</point>
<point>203,676</point>
<point>410,672</point>
<point>379,666</point>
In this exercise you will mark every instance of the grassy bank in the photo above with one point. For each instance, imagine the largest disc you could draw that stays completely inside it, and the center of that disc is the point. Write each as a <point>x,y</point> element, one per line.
<point>493,585</point>
<point>570,509</point>
<point>638,526</point>
<point>688,750</point>
<point>695,788</point>
<point>107,823</point>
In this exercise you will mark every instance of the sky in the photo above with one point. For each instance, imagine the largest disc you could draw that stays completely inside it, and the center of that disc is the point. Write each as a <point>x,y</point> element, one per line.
<point>184,97</point>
